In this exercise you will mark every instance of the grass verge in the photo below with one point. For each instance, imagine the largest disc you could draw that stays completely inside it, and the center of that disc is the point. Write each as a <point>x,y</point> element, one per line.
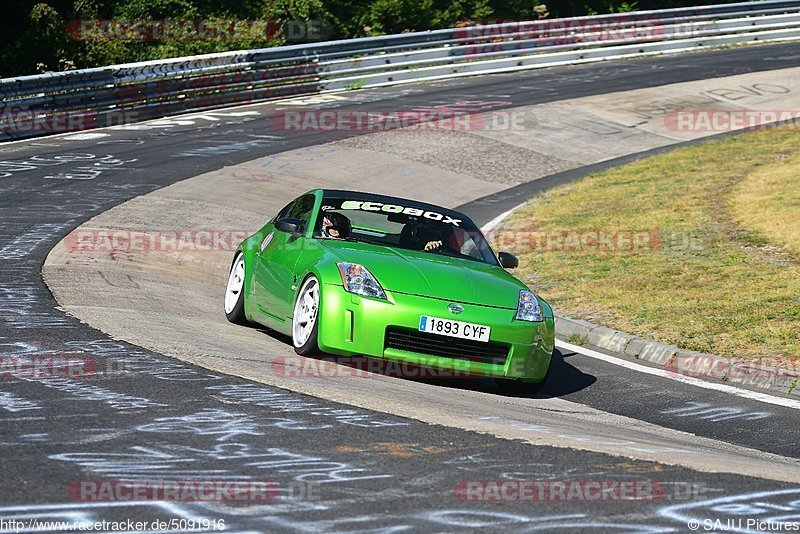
<point>699,247</point>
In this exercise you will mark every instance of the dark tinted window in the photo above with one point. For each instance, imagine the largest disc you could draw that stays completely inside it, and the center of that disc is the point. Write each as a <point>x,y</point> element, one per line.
<point>409,226</point>
<point>300,208</point>
<point>283,213</point>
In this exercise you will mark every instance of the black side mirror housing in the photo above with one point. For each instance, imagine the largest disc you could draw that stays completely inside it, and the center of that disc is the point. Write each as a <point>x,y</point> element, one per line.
<point>289,226</point>
<point>508,260</point>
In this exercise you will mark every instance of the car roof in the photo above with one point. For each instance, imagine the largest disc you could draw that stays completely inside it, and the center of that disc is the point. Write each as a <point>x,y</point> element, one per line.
<point>385,199</point>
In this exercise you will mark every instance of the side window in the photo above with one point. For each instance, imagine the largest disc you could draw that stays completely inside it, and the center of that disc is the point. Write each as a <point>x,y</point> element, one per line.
<point>301,208</point>
<point>285,211</point>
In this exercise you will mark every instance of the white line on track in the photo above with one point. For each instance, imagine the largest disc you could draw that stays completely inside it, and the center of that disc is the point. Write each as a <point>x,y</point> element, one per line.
<point>739,392</point>
<point>497,220</point>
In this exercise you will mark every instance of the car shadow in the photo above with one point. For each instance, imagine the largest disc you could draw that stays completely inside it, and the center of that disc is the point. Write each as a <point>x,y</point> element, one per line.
<point>274,334</point>
<point>563,377</point>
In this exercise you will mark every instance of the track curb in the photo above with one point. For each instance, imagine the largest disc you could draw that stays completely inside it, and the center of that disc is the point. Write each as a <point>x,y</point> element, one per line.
<point>782,381</point>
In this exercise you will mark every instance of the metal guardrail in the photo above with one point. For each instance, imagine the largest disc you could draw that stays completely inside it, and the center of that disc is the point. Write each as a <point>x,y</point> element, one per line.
<point>128,93</point>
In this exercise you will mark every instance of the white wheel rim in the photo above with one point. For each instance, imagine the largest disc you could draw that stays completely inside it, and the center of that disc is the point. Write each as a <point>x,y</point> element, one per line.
<point>235,285</point>
<point>305,312</point>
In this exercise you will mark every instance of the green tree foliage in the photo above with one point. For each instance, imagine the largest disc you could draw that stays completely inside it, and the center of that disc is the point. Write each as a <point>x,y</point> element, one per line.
<point>395,16</point>
<point>35,36</point>
<point>42,44</point>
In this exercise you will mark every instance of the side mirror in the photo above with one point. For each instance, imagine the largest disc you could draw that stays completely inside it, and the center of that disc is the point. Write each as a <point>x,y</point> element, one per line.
<point>289,226</point>
<point>508,260</point>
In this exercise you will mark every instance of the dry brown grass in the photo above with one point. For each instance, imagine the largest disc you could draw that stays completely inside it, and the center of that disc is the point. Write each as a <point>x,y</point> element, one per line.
<point>767,202</point>
<point>706,281</point>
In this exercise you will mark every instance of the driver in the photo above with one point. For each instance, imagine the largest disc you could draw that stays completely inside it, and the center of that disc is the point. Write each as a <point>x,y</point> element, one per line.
<point>335,226</point>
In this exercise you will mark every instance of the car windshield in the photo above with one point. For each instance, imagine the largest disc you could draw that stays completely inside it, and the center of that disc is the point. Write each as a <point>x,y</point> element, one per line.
<point>404,225</point>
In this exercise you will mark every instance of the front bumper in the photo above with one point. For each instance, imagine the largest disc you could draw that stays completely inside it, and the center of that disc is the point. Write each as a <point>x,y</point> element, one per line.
<point>351,324</point>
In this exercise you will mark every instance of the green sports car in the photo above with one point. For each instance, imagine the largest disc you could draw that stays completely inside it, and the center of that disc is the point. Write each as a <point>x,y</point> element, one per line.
<point>350,273</point>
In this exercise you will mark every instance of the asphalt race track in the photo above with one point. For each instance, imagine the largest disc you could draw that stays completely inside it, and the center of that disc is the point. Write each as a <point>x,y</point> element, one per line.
<point>339,467</point>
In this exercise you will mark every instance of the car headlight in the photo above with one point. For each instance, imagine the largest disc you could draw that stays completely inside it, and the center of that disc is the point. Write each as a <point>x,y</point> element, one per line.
<point>357,279</point>
<point>528,308</point>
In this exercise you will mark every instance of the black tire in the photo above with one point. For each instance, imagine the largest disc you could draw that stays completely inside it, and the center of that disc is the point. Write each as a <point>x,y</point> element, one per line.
<point>236,314</point>
<point>310,346</point>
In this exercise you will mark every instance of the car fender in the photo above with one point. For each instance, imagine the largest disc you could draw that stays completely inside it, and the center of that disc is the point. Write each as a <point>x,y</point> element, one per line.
<point>326,273</point>
<point>249,247</point>
<point>549,336</point>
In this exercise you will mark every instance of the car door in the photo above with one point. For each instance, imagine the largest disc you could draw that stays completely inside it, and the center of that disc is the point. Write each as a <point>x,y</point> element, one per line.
<point>275,262</point>
<point>263,280</point>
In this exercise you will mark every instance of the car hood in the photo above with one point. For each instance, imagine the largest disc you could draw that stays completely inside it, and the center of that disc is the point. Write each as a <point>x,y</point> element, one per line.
<point>432,275</point>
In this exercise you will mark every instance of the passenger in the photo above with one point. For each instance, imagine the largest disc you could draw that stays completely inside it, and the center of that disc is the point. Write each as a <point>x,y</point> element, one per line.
<point>416,236</point>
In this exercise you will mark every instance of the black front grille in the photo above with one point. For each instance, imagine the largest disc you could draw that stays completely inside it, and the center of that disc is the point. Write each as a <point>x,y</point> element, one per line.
<point>445,346</point>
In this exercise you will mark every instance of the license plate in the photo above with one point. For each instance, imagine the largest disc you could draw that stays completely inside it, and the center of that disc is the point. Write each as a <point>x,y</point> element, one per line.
<point>448,327</point>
